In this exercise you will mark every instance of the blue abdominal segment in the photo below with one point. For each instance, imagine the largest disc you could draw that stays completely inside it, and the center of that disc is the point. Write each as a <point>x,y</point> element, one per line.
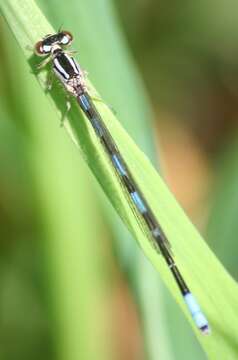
<point>118,165</point>
<point>85,103</point>
<point>138,202</point>
<point>198,317</point>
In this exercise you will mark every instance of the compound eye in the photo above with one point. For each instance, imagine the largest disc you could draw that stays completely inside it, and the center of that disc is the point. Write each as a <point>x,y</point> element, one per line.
<point>67,38</point>
<point>42,49</point>
<point>39,48</point>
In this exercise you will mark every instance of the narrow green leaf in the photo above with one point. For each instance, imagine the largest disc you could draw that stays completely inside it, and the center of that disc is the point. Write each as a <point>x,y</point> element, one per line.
<point>214,288</point>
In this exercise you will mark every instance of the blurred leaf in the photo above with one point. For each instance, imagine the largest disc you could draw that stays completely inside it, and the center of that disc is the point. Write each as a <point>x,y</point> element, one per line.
<point>223,226</point>
<point>21,283</point>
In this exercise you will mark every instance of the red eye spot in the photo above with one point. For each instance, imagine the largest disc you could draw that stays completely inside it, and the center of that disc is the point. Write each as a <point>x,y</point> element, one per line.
<point>39,48</point>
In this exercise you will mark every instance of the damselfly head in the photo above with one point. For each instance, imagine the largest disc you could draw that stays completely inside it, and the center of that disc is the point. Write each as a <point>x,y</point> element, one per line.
<point>65,38</point>
<point>44,46</point>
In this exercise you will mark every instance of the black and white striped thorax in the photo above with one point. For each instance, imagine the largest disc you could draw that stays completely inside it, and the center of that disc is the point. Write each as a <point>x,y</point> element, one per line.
<point>69,72</point>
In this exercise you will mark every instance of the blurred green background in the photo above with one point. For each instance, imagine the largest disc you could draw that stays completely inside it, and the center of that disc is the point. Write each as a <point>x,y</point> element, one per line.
<point>74,284</point>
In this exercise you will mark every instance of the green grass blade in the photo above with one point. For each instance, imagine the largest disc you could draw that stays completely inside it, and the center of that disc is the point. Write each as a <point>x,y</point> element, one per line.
<point>159,319</point>
<point>211,284</point>
<point>135,117</point>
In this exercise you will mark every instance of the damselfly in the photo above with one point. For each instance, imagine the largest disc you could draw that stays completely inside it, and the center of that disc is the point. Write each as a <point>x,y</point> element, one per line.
<point>72,77</point>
